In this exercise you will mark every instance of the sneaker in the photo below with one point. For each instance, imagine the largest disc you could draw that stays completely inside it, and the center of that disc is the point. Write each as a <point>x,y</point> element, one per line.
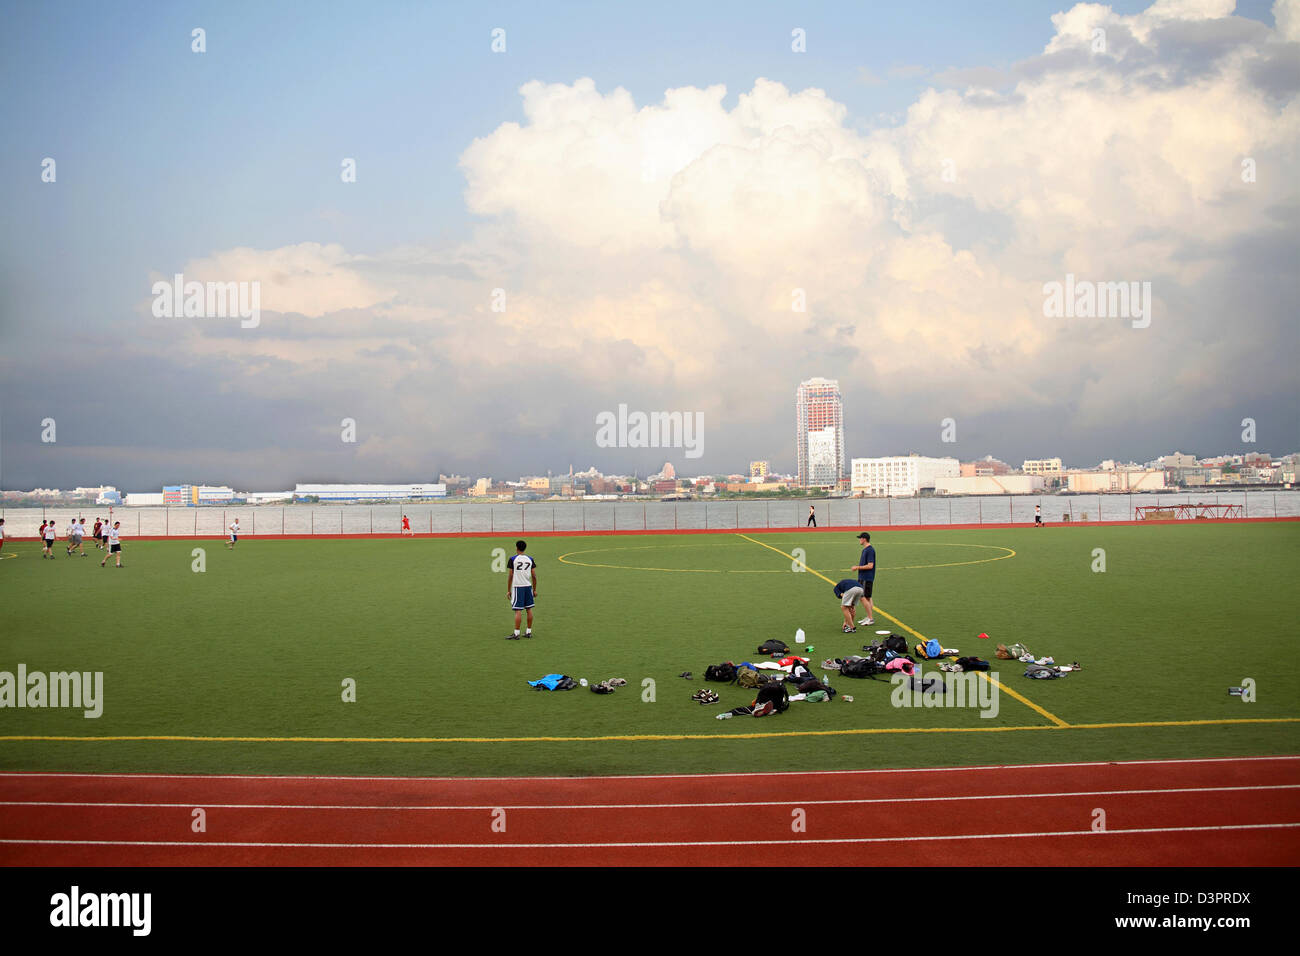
<point>849,630</point>
<point>763,709</point>
<point>512,637</point>
<point>869,621</point>
<point>865,621</point>
<point>686,674</point>
<point>529,634</point>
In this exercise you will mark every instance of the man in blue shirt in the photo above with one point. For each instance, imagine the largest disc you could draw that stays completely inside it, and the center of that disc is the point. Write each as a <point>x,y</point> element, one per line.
<point>866,568</point>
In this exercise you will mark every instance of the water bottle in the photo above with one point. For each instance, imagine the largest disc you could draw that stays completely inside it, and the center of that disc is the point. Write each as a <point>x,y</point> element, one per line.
<point>798,636</point>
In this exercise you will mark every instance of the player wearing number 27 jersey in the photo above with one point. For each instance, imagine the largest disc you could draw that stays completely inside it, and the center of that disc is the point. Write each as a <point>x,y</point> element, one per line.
<point>522,588</point>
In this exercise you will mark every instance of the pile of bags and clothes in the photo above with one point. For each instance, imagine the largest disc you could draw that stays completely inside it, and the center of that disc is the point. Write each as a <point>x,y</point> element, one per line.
<point>564,682</point>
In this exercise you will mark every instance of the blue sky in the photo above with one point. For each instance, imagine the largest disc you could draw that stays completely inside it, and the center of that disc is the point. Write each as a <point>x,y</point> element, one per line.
<point>166,157</point>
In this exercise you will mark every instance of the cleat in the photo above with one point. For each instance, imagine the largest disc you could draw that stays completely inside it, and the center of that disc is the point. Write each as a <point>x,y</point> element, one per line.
<point>512,637</point>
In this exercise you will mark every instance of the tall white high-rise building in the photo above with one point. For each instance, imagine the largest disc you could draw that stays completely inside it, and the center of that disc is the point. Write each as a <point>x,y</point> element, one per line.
<point>819,433</point>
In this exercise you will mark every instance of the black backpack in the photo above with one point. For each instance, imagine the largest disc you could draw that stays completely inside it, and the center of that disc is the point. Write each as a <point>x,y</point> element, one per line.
<point>776,693</point>
<point>896,644</point>
<point>725,673</point>
<point>861,667</point>
<point>773,647</point>
<point>972,664</point>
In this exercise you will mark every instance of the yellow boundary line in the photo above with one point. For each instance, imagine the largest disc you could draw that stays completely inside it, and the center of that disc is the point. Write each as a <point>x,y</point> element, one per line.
<point>564,559</point>
<point>852,731</point>
<point>992,680</point>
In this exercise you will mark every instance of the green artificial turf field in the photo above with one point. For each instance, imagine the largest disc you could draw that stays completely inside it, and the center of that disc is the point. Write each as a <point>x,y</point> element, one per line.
<point>259,644</point>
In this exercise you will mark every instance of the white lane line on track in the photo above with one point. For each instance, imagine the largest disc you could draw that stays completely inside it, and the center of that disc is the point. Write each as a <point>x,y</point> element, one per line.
<point>593,846</point>
<point>637,806</point>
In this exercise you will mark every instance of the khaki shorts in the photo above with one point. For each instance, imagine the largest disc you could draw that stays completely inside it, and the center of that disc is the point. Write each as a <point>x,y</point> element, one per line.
<point>851,597</point>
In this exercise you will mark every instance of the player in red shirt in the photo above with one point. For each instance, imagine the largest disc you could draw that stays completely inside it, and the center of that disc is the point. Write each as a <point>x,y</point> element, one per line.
<point>406,525</point>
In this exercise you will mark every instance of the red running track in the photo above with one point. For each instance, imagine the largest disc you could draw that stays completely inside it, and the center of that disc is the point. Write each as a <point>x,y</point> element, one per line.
<point>1222,812</point>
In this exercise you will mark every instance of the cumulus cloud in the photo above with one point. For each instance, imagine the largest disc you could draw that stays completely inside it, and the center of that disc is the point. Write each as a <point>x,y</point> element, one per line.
<point>307,278</point>
<point>652,253</point>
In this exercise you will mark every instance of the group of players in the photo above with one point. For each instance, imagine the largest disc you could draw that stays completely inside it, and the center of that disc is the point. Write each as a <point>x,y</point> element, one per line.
<point>107,538</point>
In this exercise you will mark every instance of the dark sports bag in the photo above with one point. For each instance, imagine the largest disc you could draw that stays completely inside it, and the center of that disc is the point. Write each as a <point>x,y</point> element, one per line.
<point>861,667</point>
<point>774,692</point>
<point>896,644</point>
<point>725,673</point>
<point>773,647</point>
<point>972,664</point>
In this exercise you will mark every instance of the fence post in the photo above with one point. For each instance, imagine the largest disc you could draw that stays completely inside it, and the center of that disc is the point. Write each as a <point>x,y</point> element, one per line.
<point>981,502</point>
<point>253,524</point>
<point>196,521</point>
<point>552,519</point>
<point>137,524</point>
<point>313,521</point>
<point>372,520</point>
<point>282,521</point>
<point>738,515</point>
<point>769,513</point>
<point>949,510</point>
<point>889,511</point>
<point>167,522</point>
<point>643,523</point>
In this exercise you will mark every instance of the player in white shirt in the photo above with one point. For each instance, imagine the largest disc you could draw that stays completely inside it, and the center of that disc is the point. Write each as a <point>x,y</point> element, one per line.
<point>50,534</point>
<point>78,532</point>
<point>521,588</point>
<point>114,544</point>
<point>234,534</point>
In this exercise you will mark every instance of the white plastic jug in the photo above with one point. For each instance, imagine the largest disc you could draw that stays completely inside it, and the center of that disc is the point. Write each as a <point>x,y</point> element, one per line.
<point>798,636</point>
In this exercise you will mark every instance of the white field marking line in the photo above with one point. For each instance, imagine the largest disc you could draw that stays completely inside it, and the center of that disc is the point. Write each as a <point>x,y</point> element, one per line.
<point>652,776</point>
<point>636,806</point>
<point>595,846</point>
